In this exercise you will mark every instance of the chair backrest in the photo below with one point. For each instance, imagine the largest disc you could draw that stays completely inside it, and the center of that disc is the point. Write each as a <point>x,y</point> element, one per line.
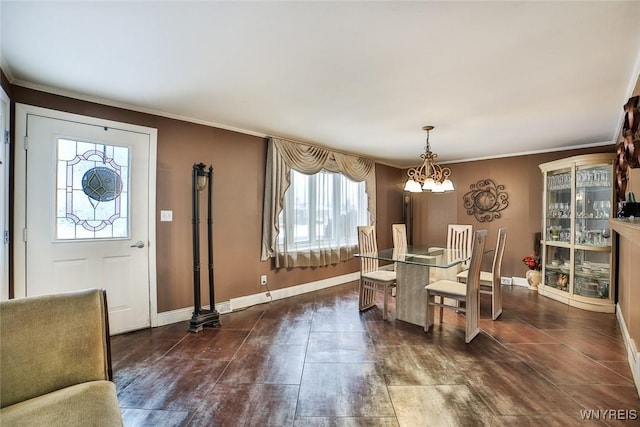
<point>399,232</point>
<point>497,256</point>
<point>459,237</point>
<point>51,342</point>
<point>367,244</point>
<point>472,320</point>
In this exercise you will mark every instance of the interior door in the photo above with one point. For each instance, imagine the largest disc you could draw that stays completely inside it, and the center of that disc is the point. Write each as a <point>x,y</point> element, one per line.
<point>87,214</point>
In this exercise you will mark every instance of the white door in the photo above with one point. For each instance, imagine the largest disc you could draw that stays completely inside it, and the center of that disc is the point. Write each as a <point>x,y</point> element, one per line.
<point>87,214</point>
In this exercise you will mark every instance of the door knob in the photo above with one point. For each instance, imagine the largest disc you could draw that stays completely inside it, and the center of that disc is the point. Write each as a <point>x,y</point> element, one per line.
<point>138,244</point>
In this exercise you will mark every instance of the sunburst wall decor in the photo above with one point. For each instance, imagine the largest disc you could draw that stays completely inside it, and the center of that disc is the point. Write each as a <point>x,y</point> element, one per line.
<point>486,200</point>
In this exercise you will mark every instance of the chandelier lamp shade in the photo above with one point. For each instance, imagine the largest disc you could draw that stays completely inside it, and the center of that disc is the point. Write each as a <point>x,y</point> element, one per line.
<point>429,176</point>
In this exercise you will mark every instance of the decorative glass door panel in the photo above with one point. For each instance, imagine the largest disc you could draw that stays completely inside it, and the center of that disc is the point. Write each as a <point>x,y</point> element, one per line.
<point>92,191</point>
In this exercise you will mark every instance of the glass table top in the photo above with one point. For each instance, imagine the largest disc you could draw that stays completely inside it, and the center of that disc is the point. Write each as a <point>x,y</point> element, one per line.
<point>428,256</point>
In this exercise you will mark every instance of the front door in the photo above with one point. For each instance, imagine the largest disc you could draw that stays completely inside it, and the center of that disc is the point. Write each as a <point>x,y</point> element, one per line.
<point>87,213</point>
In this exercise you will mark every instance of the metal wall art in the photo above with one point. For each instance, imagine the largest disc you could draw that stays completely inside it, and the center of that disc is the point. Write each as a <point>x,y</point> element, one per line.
<point>485,200</point>
<point>628,148</point>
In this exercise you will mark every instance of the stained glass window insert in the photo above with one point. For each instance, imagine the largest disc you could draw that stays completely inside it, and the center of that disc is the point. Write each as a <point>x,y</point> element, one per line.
<point>92,191</point>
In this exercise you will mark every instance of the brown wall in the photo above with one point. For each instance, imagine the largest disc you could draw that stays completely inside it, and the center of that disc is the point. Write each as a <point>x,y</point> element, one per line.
<point>628,271</point>
<point>523,217</point>
<point>389,185</point>
<point>238,161</point>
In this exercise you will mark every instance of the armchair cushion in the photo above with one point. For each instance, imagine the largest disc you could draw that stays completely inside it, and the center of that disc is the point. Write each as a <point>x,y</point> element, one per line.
<point>86,404</point>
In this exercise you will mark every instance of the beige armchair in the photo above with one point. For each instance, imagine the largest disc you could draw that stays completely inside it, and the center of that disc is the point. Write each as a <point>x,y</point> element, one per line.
<point>55,366</point>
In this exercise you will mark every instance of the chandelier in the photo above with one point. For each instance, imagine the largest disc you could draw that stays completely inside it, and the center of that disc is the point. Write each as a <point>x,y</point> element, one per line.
<point>429,176</point>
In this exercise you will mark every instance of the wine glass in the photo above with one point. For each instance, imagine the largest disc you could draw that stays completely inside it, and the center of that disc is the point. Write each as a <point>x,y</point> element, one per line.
<point>607,208</point>
<point>597,207</point>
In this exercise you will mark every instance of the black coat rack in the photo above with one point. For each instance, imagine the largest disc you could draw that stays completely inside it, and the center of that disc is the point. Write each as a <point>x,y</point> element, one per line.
<point>201,179</point>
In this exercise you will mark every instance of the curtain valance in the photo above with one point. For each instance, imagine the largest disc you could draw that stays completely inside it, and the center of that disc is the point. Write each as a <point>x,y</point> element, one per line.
<point>310,159</point>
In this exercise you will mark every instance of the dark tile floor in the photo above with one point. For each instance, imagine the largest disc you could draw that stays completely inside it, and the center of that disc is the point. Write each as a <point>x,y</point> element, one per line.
<point>314,360</point>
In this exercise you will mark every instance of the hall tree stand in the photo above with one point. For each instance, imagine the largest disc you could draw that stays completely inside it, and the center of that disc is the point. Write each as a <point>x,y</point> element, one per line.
<point>201,179</point>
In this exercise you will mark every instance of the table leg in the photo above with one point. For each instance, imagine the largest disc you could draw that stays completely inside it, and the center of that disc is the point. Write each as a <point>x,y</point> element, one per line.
<point>410,294</point>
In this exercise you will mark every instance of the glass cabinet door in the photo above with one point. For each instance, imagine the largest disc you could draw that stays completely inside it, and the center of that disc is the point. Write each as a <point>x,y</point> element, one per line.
<point>558,217</point>
<point>593,205</point>
<point>592,274</point>
<point>592,261</point>
<point>557,270</point>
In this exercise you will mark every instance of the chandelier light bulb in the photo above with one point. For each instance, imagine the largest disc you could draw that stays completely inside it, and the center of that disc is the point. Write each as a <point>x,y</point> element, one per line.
<point>429,184</point>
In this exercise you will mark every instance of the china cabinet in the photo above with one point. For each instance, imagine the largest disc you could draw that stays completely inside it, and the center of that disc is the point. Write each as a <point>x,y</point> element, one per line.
<point>577,258</point>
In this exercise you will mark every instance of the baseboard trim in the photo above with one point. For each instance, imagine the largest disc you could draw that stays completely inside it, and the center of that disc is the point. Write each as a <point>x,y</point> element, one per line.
<point>520,281</point>
<point>182,314</point>
<point>633,357</point>
<point>261,298</point>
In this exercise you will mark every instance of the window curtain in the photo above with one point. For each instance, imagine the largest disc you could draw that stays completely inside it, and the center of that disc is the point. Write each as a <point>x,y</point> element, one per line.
<point>284,155</point>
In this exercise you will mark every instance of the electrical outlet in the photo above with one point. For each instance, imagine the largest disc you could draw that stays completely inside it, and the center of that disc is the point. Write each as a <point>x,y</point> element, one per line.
<point>263,280</point>
<point>505,280</point>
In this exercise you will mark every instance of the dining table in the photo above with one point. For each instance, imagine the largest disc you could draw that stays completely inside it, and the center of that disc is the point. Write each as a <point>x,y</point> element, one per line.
<point>415,268</point>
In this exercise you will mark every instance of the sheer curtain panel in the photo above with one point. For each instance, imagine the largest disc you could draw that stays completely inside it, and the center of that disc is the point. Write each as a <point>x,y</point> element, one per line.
<point>326,238</point>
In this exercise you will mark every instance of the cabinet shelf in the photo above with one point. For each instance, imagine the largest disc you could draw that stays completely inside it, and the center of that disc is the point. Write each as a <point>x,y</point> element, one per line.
<point>556,243</point>
<point>577,259</point>
<point>594,248</point>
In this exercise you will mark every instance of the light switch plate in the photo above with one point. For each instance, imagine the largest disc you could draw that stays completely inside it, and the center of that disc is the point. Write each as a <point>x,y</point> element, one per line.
<point>166,216</point>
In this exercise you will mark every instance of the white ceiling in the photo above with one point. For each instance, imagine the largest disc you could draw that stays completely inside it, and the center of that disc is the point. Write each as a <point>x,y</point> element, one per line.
<point>494,78</point>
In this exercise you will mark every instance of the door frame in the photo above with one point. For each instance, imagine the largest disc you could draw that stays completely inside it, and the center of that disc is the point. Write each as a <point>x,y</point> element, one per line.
<point>20,215</point>
<point>5,157</point>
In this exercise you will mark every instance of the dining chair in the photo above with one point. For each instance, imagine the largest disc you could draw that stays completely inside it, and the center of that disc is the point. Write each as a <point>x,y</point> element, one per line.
<point>459,237</point>
<point>466,295</point>
<point>399,235</point>
<point>372,278</point>
<point>490,281</point>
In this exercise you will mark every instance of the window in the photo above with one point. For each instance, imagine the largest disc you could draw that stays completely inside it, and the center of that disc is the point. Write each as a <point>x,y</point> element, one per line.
<point>321,211</point>
<point>311,220</point>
